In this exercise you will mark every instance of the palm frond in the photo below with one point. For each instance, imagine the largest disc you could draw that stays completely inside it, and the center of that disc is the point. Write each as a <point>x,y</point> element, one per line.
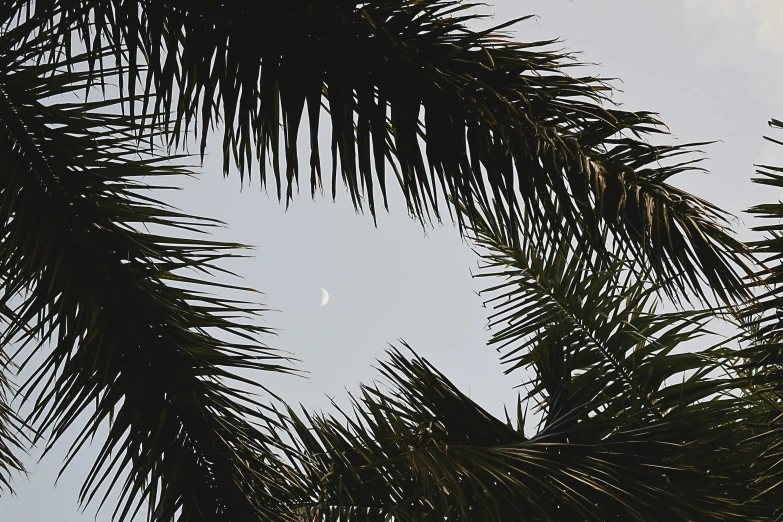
<point>588,326</point>
<point>634,426</point>
<point>119,309</point>
<point>760,359</point>
<point>423,449</point>
<point>454,110</point>
<point>762,317</point>
<point>13,441</point>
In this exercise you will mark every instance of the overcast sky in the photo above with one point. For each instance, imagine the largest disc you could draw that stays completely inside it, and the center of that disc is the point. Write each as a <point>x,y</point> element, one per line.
<point>711,68</point>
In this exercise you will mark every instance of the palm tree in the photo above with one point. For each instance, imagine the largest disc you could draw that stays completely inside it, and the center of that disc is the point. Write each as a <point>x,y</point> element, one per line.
<point>562,190</point>
<point>85,280</point>
<point>633,422</point>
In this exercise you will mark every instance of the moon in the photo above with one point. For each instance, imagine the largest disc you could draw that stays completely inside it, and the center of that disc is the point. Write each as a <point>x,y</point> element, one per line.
<point>324,297</point>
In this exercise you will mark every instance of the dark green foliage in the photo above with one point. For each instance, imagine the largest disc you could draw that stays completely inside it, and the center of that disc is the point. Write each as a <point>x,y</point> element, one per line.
<point>632,427</point>
<point>112,312</point>
<point>761,359</point>
<point>12,439</point>
<point>90,273</point>
<point>424,451</point>
<point>470,113</point>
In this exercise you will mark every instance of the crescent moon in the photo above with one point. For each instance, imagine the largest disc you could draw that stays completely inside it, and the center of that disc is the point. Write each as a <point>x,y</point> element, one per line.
<point>324,297</point>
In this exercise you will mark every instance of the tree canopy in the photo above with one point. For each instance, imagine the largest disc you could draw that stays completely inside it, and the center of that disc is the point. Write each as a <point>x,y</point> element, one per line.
<point>565,197</point>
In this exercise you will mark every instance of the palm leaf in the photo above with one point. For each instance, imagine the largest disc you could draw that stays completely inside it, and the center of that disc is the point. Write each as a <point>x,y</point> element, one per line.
<point>422,449</point>
<point>760,317</point>
<point>12,439</point>
<point>119,309</point>
<point>633,426</point>
<point>761,358</point>
<point>453,110</point>
<point>589,325</point>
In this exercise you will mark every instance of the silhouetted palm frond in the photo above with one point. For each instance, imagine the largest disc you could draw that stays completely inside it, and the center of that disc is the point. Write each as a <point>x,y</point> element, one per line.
<point>760,359</point>
<point>589,327</point>
<point>12,438</point>
<point>762,317</point>
<point>633,426</point>
<point>406,82</point>
<point>118,309</point>
<point>423,449</point>
<point>110,309</point>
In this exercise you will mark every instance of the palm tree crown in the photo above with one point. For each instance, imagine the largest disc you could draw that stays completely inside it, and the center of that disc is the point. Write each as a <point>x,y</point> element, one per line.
<point>562,195</point>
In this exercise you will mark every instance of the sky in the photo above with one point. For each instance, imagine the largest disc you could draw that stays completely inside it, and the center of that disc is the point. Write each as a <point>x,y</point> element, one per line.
<point>711,68</point>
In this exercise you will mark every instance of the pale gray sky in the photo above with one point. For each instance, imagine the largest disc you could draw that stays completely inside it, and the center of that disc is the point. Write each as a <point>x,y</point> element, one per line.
<point>712,68</point>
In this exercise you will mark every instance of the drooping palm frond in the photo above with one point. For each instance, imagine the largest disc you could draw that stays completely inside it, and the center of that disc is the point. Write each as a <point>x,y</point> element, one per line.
<point>454,110</point>
<point>12,439</point>
<point>761,319</point>
<point>633,426</point>
<point>589,327</point>
<point>119,309</point>
<point>424,450</point>
<point>605,360</point>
